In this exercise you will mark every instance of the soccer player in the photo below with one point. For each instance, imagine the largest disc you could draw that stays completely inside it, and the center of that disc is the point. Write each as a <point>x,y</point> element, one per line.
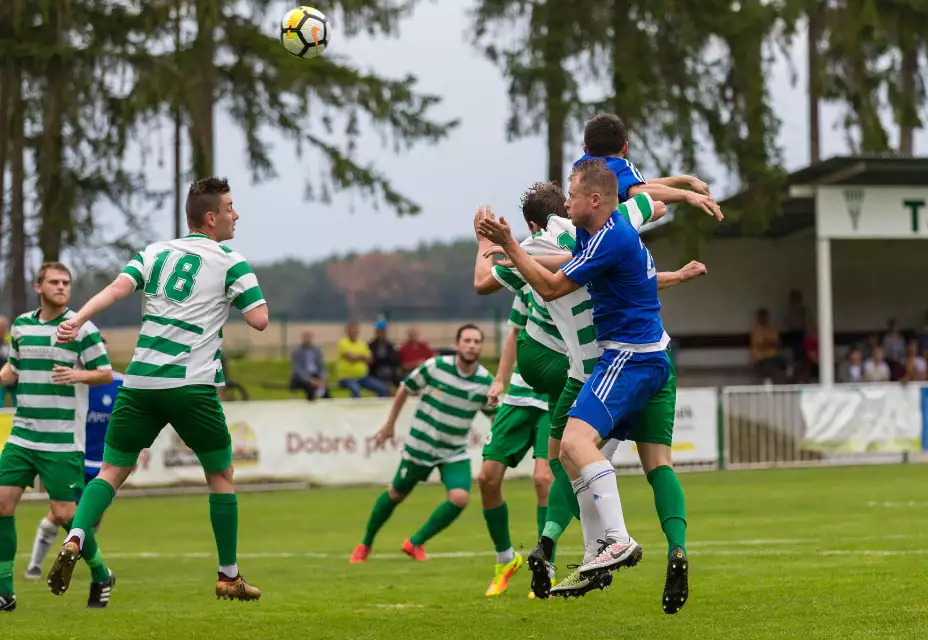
<point>190,284</point>
<point>48,428</point>
<point>100,408</point>
<point>632,390</point>
<point>453,389</point>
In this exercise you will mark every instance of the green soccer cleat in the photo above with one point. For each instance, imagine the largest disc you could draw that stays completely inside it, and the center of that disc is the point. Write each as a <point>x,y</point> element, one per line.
<point>577,586</point>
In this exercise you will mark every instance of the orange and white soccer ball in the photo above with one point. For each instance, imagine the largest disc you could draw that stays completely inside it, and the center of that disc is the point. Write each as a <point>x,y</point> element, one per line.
<point>304,32</point>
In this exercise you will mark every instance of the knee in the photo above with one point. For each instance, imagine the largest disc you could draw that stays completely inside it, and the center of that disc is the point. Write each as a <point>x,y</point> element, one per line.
<point>62,512</point>
<point>7,507</point>
<point>222,481</point>
<point>543,479</point>
<point>489,479</point>
<point>459,498</point>
<point>395,496</point>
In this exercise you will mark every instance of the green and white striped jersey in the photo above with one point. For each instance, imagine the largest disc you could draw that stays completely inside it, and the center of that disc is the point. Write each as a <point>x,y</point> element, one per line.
<point>190,285</point>
<point>449,402</point>
<point>49,416</point>
<point>520,394</point>
<point>573,313</point>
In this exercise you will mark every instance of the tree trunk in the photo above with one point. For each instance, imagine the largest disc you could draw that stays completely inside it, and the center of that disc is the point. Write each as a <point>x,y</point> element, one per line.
<point>6,78</point>
<point>815,83</point>
<point>178,133</point>
<point>17,204</point>
<point>50,161</point>
<point>908,110</point>
<point>201,112</point>
<point>555,98</point>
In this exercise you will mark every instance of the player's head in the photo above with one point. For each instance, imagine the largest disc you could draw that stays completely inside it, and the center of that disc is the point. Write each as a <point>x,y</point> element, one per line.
<point>469,343</point>
<point>543,199</point>
<point>53,285</point>
<point>605,135</point>
<point>209,209</point>
<point>593,192</point>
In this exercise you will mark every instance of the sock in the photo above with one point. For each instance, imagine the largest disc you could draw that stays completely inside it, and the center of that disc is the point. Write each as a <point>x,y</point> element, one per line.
<point>45,536</point>
<point>98,571</point>
<point>562,485</point>
<point>229,570</point>
<point>671,506</point>
<point>600,478</point>
<point>7,554</point>
<point>506,556</point>
<point>223,515</point>
<point>90,552</point>
<point>591,523</point>
<point>446,513</point>
<point>541,517</point>
<point>97,497</point>
<point>498,525</point>
<point>562,504</point>
<point>383,509</point>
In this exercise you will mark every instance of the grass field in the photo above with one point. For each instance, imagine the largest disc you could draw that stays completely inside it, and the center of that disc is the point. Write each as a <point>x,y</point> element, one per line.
<point>815,553</point>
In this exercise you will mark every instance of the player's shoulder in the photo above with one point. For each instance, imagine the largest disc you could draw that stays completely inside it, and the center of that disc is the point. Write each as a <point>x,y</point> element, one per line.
<point>483,375</point>
<point>25,319</point>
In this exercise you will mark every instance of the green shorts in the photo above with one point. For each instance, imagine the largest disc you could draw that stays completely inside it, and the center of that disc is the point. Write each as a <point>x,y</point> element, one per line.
<point>454,475</point>
<point>194,412</point>
<point>61,473</point>
<point>654,423</point>
<point>564,403</point>
<point>544,369</point>
<point>514,431</point>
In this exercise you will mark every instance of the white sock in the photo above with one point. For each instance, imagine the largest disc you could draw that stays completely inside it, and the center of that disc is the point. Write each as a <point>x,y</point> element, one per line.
<point>600,478</point>
<point>44,539</point>
<point>505,557</point>
<point>229,570</point>
<point>590,522</point>
<point>79,534</point>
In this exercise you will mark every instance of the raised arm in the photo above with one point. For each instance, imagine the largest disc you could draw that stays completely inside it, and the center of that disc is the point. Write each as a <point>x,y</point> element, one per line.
<point>692,270</point>
<point>118,289</point>
<point>668,194</point>
<point>484,282</point>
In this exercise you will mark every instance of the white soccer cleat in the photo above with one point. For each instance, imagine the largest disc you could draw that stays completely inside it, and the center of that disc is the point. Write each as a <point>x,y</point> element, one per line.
<point>613,556</point>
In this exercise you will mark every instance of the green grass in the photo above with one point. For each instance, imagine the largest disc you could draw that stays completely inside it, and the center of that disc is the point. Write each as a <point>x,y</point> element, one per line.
<point>820,553</point>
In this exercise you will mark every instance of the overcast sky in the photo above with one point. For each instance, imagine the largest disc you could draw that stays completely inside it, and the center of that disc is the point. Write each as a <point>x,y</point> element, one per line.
<point>448,180</point>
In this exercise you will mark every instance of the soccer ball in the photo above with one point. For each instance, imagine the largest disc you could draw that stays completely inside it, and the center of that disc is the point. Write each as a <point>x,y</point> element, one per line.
<point>304,32</point>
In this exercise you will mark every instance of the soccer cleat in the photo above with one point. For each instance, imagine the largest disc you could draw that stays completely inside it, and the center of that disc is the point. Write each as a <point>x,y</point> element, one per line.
<point>676,585</point>
<point>576,585</point>
<point>502,574</point>
<point>33,573</point>
<point>612,556</point>
<point>531,594</point>
<point>59,578</point>
<point>236,589</point>
<point>541,572</point>
<point>7,603</point>
<point>360,554</point>
<point>100,592</point>
<point>414,551</point>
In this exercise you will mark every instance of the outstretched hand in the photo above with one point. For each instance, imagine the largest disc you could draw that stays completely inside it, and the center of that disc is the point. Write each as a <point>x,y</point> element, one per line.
<point>706,203</point>
<point>497,250</point>
<point>497,231</point>
<point>693,270</point>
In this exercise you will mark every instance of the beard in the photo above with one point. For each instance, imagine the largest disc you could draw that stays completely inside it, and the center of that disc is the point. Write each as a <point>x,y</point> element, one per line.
<point>468,359</point>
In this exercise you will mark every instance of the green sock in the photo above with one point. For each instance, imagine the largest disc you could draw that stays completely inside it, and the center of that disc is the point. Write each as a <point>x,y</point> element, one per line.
<point>91,554</point>
<point>7,554</point>
<point>560,508</point>
<point>498,525</point>
<point>94,501</point>
<point>446,513</point>
<point>383,509</point>
<point>671,506</point>
<point>223,515</point>
<point>541,517</point>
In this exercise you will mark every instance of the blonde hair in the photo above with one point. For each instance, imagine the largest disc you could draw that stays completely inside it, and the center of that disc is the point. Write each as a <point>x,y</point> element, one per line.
<point>51,266</point>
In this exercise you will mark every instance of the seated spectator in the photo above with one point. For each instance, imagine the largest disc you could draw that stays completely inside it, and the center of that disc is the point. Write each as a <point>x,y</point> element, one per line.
<point>867,348</point>
<point>894,343</point>
<point>386,359</point>
<point>852,369</point>
<point>352,368</point>
<point>916,368</point>
<point>765,348</point>
<point>923,336</point>
<point>808,361</point>
<point>876,368</point>
<point>797,317</point>
<point>307,369</point>
<point>414,352</point>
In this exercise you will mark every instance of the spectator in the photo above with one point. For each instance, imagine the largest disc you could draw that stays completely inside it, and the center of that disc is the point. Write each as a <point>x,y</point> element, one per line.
<point>386,359</point>
<point>876,368</point>
<point>352,368</point>
<point>414,352</point>
<point>809,360</point>
<point>894,343</point>
<point>916,369</point>
<point>868,347</point>
<point>852,369</point>
<point>765,348</point>
<point>307,369</point>
<point>797,317</point>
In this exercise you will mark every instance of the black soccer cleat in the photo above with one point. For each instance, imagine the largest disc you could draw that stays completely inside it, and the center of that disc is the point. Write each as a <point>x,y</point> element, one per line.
<point>100,592</point>
<point>676,585</point>
<point>7,603</point>
<point>541,579</point>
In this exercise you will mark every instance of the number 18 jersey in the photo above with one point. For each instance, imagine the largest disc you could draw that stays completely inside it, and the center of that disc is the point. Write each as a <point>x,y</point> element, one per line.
<point>189,284</point>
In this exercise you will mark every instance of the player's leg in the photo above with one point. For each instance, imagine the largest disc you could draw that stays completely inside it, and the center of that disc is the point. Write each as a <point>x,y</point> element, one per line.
<point>408,475</point>
<point>17,472</point>
<point>541,473</point>
<point>457,480</point>
<point>45,535</point>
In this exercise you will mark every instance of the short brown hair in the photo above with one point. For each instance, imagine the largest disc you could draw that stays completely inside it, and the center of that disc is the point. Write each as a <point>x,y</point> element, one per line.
<point>604,135</point>
<point>595,176</point>
<point>203,197</point>
<point>541,200</point>
<point>465,327</point>
<point>51,266</point>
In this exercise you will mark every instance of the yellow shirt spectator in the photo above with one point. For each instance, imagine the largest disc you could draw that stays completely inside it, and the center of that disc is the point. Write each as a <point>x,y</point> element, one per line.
<point>353,357</point>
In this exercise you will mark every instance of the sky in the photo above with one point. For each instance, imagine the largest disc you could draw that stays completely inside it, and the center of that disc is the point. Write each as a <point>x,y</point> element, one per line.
<point>449,180</point>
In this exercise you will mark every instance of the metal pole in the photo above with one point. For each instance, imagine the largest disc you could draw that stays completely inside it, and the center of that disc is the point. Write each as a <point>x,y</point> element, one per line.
<point>826,337</point>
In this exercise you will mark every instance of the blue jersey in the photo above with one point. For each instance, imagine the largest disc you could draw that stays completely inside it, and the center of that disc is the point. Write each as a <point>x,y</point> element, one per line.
<point>620,275</point>
<point>625,172</point>
<point>100,401</point>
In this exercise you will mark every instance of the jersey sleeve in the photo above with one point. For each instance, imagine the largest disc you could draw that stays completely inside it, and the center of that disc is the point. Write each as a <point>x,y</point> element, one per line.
<point>418,379</point>
<point>597,255</point>
<point>638,210</point>
<point>14,351</point>
<point>92,350</point>
<point>628,176</point>
<point>242,285</point>
<point>135,271</point>
<point>509,277</point>
<point>518,316</point>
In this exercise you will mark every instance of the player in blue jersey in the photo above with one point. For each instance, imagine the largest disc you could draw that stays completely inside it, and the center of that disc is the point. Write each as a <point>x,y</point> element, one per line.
<point>100,401</point>
<point>632,391</point>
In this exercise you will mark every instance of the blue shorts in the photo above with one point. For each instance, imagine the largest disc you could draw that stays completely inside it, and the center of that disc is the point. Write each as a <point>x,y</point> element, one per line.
<point>622,384</point>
